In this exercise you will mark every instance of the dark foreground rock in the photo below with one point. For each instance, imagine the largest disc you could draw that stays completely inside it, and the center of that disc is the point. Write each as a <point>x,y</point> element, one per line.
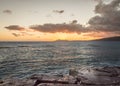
<point>107,76</point>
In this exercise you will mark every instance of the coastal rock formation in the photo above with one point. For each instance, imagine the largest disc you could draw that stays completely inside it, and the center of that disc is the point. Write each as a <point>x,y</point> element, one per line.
<point>106,76</point>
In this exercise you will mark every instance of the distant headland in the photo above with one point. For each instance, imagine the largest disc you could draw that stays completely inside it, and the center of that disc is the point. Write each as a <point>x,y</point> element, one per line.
<point>116,38</point>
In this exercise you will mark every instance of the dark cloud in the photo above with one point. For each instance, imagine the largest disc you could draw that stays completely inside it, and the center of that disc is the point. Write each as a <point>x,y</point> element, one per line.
<point>15,27</point>
<point>72,27</point>
<point>7,11</point>
<point>108,18</point>
<point>24,33</point>
<point>58,11</point>
<point>74,22</point>
<point>16,34</point>
<point>64,28</point>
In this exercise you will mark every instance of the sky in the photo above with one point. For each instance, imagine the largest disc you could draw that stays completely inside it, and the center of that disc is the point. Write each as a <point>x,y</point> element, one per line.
<point>50,20</point>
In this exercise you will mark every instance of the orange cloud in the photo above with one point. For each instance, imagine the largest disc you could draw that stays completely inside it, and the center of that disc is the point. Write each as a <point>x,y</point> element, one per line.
<point>63,28</point>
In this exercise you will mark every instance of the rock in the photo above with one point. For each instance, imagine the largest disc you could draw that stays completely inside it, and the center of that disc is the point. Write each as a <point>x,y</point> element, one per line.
<point>68,78</point>
<point>73,72</point>
<point>106,76</point>
<point>17,82</point>
<point>1,81</point>
<point>101,76</point>
<point>107,71</point>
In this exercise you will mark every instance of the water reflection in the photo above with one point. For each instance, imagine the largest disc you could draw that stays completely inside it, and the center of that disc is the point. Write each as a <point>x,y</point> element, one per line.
<point>28,58</point>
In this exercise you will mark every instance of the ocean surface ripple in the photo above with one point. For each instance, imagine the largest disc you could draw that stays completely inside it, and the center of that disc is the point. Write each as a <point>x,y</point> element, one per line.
<point>22,59</point>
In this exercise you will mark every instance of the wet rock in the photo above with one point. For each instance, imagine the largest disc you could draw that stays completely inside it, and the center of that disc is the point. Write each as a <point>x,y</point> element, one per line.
<point>101,76</point>
<point>73,72</point>
<point>1,81</point>
<point>17,82</point>
<point>106,76</point>
<point>107,71</point>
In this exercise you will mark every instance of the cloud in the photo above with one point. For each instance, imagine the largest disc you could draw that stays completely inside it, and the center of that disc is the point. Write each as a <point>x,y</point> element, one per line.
<point>74,22</point>
<point>15,27</point>
<point>16,34</point>
<point>63,28</point>
<point>58,11</point>
<point>24,33</point>
<point>72,27</point>
<point>7,11</point>
<point>107,21</point>
<point>108,18</point>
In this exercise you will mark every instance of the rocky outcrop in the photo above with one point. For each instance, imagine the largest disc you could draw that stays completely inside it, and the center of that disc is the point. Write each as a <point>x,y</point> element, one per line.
<point>106,76</point>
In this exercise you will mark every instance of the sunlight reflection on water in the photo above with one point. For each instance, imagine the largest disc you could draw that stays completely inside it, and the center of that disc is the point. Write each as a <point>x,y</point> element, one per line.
<point>22,58</point>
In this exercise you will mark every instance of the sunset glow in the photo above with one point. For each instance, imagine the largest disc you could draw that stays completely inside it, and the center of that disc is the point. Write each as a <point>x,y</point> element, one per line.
<point>40,21</point>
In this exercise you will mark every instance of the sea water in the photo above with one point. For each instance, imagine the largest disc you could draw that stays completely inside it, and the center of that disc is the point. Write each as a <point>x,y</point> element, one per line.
<point>22,59</point>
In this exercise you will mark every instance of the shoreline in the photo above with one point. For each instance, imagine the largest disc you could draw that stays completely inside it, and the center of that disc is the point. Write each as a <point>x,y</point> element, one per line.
<point>102,76</point>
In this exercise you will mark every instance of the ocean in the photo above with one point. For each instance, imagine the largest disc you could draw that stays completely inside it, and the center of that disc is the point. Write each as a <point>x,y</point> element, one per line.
<point>23,59</point>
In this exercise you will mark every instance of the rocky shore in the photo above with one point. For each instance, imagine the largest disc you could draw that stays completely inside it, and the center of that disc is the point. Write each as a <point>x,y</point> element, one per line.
<point>104,76</point>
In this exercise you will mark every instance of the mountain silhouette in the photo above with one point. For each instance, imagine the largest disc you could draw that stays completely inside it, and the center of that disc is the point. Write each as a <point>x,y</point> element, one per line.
<point>116,38</point>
